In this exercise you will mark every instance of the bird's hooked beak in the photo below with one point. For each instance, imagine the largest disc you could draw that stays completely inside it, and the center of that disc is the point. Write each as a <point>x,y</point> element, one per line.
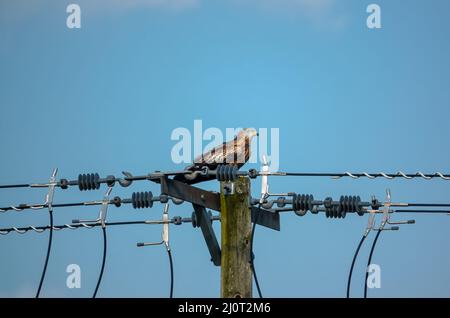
<point>250,133</point>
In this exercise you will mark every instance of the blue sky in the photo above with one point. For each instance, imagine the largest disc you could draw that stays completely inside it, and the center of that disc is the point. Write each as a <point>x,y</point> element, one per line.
<point>106,97</point>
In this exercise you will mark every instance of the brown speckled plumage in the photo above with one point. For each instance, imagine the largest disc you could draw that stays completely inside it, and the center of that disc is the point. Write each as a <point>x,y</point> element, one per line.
<point>239,155</point>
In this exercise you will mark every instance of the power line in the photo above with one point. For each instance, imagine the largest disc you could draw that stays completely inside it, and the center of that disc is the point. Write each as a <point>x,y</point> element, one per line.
<point>92,181</point>
<point>174,191</point>
<point>177,220</point>
<point>138,200</point>
<point>400,174</point>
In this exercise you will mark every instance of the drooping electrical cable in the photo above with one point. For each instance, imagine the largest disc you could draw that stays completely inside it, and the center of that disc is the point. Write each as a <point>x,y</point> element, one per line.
<point>169,253</point>
<point>252,262</point>
<point>103,262</point>
<point>355,256</point>
<point>369,261</point>
<point>49,204</point>
<point>49,248</point>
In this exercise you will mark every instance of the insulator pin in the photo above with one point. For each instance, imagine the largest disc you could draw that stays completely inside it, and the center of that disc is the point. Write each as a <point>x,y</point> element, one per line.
<point>226,173</point>
<point>90,181</point>
<point>141,200</point>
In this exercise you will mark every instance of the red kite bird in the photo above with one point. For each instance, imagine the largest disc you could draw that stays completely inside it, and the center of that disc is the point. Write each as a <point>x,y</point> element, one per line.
<point>235,152</point>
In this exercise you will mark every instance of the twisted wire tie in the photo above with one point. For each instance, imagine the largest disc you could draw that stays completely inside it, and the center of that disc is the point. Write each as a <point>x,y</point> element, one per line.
<point>19,231</point>
<point>442,176</point>
<point>385,175</point>
<point>368,175</point>
<point>37,207</point>
<point>36,230</point>
<point>17,209</point>
<point>55,228</point>
<point>398,174</point>
<point>86,226</point>
<point>423,176</point>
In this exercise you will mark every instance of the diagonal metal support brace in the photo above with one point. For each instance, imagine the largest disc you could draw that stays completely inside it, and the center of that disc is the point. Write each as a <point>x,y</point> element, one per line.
<point>204,222</point>
<point>202,200</point>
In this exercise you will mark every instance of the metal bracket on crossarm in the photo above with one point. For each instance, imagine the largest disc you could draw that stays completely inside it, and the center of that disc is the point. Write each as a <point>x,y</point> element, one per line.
<point>201,200</point>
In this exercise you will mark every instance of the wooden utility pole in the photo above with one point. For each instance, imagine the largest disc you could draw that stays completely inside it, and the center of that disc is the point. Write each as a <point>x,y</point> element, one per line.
<point>236,274</point>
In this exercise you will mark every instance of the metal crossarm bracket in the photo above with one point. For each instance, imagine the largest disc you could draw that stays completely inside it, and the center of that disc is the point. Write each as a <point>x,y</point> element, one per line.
<point>180,190</point>
<point>51,190</point>
<point>104,208</point>
<point>266,218</point>
<point>204,222</point>
<point>103,211</point>
<point>202,200</point>
<point>165,231</point>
